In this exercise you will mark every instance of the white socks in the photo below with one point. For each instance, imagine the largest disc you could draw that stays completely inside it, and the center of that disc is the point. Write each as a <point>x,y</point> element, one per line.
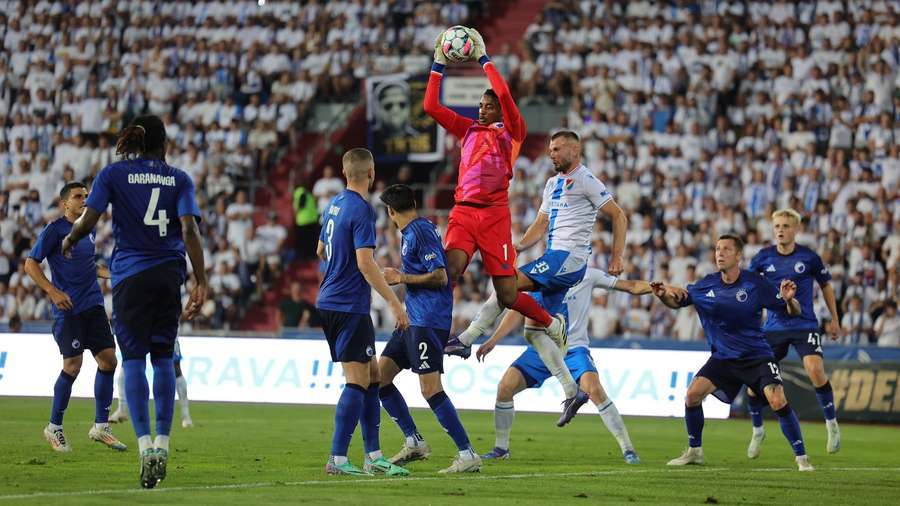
<point>162,442</point>
<point>101,425</point>
<point>53,427</point>
<point>375,455</point>
<point>120,385</point>
<point>144,443</point>
<point>616,426</point>
<point>181,388</point>
<point>467,454</point>
<point>338,460</point>
<point>415,441</point>
<point>483,321</point>
<point>552,357</point>
<point>504,413</point>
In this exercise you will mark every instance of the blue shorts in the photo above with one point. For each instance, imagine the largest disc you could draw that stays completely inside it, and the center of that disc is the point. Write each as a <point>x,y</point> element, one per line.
<point>730,375</point>
<point>88,329</point>
<point>350,336</point>
<point>549,273</point>
<point>146,311</point>
<point>578,360</point>
<point>419,349</point>
<point>806,342</point>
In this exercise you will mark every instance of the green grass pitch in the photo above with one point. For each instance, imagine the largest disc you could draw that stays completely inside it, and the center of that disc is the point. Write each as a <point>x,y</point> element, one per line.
<point>258,454</point>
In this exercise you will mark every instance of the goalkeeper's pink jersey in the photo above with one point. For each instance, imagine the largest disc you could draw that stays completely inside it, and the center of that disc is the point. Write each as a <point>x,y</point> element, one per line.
<point>488,151</point>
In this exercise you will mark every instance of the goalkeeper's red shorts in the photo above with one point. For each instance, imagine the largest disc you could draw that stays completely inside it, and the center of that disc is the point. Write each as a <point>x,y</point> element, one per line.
<point>487,229</point>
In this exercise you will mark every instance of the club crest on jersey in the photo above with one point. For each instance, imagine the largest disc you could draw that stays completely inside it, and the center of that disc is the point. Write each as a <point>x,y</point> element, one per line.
<point>370,351</point>
<point>741,295</point>
<point>570,183</point>
<point>799,267</point>
<point>403,249</point>
<point>76,344</point>
<point>770,268</point>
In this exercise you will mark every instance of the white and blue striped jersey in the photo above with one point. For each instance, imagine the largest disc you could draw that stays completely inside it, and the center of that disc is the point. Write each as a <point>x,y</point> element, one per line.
<point>572,201</point>
<point>577,304</point>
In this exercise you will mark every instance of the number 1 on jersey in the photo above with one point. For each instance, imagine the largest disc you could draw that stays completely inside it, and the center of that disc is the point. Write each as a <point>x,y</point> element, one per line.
<point>162,221</point>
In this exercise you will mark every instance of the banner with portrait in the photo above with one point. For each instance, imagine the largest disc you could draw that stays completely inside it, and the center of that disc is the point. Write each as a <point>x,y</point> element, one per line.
<point>399,129</point>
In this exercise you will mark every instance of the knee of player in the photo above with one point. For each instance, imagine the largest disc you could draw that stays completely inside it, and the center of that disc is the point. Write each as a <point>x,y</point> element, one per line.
<point>429,390</point>
<point>507,298</point>
<point>107,362</point>
<point>693,398</point>
<point>505,392</point>
<point>72,369</point>
<point>597,395</point>
<point>776,398</point>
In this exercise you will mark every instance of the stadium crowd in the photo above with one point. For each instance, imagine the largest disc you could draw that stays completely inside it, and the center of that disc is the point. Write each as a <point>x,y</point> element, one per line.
<point>704,118</point>
<point>701,117</point>
<point>234,82</point>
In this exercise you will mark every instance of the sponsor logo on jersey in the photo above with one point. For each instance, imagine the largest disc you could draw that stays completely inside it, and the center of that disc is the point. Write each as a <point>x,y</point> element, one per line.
<point>741,295</point>
<point>770,268</point>
<point>430,256</point>
<point>799,267</point>
<point>711,294</point>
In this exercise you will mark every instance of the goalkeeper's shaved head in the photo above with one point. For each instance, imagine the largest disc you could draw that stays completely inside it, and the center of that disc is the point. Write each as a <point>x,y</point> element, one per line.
<point>357,164</point>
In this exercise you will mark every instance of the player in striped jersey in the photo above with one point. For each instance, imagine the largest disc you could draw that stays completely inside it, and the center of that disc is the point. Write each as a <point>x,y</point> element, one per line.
<point>529,372</point>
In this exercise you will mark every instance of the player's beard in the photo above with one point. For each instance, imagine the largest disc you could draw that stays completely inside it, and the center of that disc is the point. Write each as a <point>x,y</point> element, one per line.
<point>563,166</point>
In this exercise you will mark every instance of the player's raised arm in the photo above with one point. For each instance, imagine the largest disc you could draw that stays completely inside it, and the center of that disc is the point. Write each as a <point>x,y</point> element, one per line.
<point>535,231</point>
<point>80,229</point>
<point>452,122</point>
<point>512,118</point>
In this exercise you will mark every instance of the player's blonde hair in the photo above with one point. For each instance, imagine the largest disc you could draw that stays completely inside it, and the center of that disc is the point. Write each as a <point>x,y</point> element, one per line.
<point>788,212</point>
<point>357,163</point>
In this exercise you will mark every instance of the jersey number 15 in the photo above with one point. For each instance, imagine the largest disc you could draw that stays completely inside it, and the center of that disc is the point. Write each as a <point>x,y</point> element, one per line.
<point>161,220</point>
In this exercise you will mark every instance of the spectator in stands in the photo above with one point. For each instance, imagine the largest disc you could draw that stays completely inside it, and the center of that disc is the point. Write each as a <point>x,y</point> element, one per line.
<point>887,326</point>
<point>295,312</point>
<point>326,188</point>
<point>306,223</point>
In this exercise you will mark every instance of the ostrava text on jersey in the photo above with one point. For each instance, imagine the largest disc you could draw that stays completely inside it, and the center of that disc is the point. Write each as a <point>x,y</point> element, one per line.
<point>423,253</point>
<point>148,196</point>
<point>731,313</point>
<point>802,266</point>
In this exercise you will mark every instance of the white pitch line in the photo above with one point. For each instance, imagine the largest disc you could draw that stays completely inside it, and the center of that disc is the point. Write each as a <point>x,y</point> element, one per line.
<point>268,484</point>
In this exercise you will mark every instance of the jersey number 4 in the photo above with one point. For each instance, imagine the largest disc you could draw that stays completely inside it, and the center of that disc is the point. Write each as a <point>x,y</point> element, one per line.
<point>161,220</point>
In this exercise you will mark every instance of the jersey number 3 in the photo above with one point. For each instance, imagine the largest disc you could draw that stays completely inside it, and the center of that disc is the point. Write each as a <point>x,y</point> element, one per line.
<point>161,220</point>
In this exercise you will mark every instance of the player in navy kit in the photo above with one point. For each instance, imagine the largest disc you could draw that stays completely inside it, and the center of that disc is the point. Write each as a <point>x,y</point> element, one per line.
<point>347,244</point>
<point>729,304</point>
<point>420,348</point>
<point>79,318</point>
<point>788,260</point>
<point>148,268</point>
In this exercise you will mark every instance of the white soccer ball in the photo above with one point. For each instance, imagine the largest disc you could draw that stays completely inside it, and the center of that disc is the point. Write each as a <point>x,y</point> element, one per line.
<point>456,45</point>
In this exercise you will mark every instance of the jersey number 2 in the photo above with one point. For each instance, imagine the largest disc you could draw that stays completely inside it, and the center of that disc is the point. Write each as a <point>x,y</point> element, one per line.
<point>161,220</point>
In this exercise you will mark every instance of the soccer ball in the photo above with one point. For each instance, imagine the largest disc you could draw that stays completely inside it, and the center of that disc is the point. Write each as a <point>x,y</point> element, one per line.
<point>456,45</point>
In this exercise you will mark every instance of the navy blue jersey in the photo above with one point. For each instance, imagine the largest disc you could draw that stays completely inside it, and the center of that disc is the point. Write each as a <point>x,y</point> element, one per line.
<point>423,253</point>
<point>349,225</point>
<point>76,276</point>
<point>802,267</point>
<point>731,314</point>
<point>148,197</point>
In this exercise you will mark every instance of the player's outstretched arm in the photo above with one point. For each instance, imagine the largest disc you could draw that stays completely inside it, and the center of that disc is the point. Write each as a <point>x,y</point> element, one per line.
<point>620,226</point>
<point>452,122</point>
<point>82,227</point>
<point>194,247</point>
<point>511,320</point>
<point>535,232</point>
<point>634,287</point>
<point>672,296</point>
<point>59,298</point>
<point>434,279</point>
<point>512,118</point>
<point>365,261</point>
